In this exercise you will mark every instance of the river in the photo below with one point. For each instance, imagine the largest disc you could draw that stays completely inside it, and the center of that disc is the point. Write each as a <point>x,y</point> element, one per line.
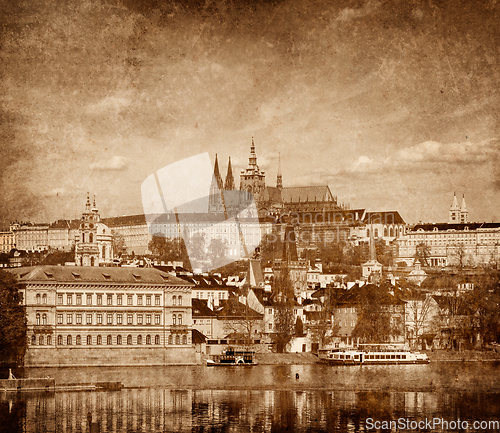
<point>262,398</point>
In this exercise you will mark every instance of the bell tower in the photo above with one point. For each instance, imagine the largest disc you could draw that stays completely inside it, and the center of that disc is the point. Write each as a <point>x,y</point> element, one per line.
<point>252,179</point>
<point>454,216</point>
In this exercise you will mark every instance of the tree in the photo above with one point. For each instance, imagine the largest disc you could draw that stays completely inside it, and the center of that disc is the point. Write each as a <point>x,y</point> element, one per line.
<point>423,253</point>
<point>376,323</point>
<point>284,319</point>
<point>13,339</point>
<point>119,245</point>
<point>247,323</point>
<point>419,308</point>
<point>269,248</point>
<point>56,257</point>
<point>217,251</point>
<point>169,249</point>
<point>324,328</point>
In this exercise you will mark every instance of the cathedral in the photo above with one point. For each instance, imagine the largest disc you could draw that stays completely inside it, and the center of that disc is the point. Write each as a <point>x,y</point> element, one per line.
<point>270,200</point>
<point>94,245</point>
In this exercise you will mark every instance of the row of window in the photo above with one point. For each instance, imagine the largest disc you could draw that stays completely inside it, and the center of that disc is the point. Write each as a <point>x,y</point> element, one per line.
<point>47,340</point>
<point>41,319</point>
<point>109,299</point>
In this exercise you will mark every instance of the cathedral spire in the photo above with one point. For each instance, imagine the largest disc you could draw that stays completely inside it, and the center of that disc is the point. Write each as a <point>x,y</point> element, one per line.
<point>229,183</point>
<point>218,178</point>
<point>279,178</point>
<point>464,213</point>
<point>454,216</point>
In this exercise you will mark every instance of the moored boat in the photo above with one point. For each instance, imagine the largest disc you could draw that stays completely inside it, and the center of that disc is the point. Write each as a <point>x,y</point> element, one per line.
<point>372,355</point>
<point>231,357</point>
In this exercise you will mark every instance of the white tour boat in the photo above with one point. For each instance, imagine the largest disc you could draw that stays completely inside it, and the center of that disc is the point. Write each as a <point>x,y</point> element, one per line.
<point>372,355</point>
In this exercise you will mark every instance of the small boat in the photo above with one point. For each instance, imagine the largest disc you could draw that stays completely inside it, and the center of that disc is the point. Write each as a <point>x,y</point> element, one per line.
<point>232,357</point>
<point>372,355</point>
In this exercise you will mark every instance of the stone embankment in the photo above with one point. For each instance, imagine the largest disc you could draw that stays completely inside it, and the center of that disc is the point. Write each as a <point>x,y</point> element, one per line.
<point>286,358</point>
<point>463,355</point>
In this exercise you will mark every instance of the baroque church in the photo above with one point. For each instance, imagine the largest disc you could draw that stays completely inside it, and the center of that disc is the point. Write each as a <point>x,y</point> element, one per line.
<point>94,241</point>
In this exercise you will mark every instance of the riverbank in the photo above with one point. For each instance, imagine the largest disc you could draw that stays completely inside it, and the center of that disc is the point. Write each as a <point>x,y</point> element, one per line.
<point>285,358</point>
<point>463,356</point>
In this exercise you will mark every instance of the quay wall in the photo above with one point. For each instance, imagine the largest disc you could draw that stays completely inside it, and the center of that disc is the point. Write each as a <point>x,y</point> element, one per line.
<point>27,384</point>
<point>109,357</point>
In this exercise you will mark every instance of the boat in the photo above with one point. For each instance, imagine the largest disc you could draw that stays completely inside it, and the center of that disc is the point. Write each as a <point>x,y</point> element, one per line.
<point>372,354</point>
<point>232,357</point>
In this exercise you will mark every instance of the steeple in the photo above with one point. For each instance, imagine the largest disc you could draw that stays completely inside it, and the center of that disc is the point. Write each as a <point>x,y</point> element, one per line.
<point>215,199</point>
<point>87,205</point>
<point>464,213</point>
<point>229,183</point>
<point>454,216</point>
<point>279,178</point>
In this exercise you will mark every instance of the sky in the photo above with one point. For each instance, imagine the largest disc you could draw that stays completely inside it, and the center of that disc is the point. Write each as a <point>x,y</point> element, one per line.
<point>395,105</point>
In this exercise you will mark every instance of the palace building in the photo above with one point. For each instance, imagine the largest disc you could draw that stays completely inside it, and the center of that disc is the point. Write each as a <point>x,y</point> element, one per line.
<point>87,315</point>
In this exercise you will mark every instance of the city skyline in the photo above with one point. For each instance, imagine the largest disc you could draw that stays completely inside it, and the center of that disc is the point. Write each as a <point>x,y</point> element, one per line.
<point>393,106</point>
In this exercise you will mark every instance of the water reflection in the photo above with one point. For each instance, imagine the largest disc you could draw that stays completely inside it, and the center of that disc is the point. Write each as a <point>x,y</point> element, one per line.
<point>293,405</point>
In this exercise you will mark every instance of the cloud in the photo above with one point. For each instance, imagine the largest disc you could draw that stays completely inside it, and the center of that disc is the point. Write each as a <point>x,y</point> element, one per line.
<point>114,164</point>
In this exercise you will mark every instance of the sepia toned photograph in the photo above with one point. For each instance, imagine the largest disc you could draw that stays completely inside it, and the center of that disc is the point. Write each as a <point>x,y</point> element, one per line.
<point>249,216</point>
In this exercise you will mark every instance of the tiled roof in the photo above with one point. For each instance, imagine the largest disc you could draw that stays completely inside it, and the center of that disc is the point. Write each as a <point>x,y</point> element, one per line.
<point>197,337</point>
<point>201,309</point>
<point>96,274</point>
<point>124,220</point>
<point>237,310</point>
<point>270,193</point>
<point>386,217</point>
<point>303,194</point>
<point>65,224</point>
<point>461,226</point>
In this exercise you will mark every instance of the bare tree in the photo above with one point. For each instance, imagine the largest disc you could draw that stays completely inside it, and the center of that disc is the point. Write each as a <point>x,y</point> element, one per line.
<point>284,320</point>
<point>419,308</point>
<point>324,328</point>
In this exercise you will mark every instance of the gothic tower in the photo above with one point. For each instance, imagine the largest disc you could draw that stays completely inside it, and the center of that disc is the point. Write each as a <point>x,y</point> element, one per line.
<point>229,183</point>
<point>454,217</point>
<point>215,199</point>
<point>252,179</point>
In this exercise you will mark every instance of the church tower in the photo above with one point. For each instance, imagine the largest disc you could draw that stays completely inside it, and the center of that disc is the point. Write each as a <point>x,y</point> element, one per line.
<point>215,199</point>
<point>229,183</point>
<point>94,240</point>
<point>464,213</point>
<point>454,217</point>
<point>279,178</point>
<point>252,179</point>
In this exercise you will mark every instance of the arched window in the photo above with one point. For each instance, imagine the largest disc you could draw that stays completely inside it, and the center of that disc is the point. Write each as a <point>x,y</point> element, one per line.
<point>157,339</point>
<point>118,339</point>
<point>99,340</point>
<point>180,300</point>
<point>375,233</point>
<point>83,237</point>
<point>174,300</point>
<point>174,320</point>
<point>391,232</point>
<point>44,319</point>
<point>89,340</point>
<point>37,318</point>
<point>109,340</point>
<point>170,339</point>
<point>184,339</point>
<point>92,261</point>
<point>78,340</point>
<point>49,340</point>
<point>177,339</point>
<point>179,319</point>
<point>103,251</point>
<point>129,339</point>
<point>385,231</point>
<point>148,339</point>
<point>38,298</point>
<point>59,340</point>
<point>40,340</point>
<point>139,339</point>
<point>44,298</point>
<point>91,238</point>
<point>33,339</point>
<point>69,340</point>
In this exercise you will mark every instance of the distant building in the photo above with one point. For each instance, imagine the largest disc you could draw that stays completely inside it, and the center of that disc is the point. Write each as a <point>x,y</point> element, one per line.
<point>460,243</point>
<point>7,240</point>
<point>106,316</point>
